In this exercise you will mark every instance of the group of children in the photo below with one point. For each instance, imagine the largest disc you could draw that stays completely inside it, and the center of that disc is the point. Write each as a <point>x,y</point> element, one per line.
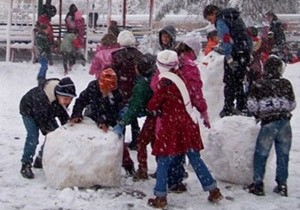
<point>167,90</point>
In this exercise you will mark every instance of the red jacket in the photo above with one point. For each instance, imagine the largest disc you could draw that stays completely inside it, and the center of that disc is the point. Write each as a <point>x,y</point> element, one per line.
<point>44,20</point>
<point>178,133</point>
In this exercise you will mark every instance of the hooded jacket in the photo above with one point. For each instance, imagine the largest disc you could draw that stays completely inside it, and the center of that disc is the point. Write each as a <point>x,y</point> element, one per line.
<point>171,31</point>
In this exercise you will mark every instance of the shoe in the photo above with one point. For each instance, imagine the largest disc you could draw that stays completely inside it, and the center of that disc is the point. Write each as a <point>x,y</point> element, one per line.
<point>158,202</point>
<point>225,112</point>
<point>256,189</point>
<point>38,162</point>
<point>281,190</point>
<point>130,171</point>
<point>132,146</point>
<point>215,196</point>
<point>140,175</point>
<point>178,188</point>
<point>26,171</point>
<point>153,175</point>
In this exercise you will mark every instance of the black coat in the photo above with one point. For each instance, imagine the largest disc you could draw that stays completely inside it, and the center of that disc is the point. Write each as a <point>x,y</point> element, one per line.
<point>103,109</point>
<point>43,107</point>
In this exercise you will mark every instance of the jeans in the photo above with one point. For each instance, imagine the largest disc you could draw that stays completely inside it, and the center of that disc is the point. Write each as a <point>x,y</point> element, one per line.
<point>43,69</point>
<point>280,133</point>
<point>163,164</point>
<point>32,139</point>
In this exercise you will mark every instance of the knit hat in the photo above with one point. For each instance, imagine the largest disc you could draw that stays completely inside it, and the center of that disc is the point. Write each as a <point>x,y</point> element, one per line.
<point>66,87</point>
<point>108,80</point>
<point>126,38</point>
<point>194,43</point>
<point>78,15</point>
<point>167,60</point>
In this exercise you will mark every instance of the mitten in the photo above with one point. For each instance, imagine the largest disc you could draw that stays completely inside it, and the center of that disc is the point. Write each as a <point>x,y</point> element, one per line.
<point>118,129</point>
<point>75,120</point>
<point>205,118</point>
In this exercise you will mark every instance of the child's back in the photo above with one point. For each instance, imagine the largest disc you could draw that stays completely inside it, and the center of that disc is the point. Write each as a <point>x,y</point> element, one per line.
<point>67,43</point>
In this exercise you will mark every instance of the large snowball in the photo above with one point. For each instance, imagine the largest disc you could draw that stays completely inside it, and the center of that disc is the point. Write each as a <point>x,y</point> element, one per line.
<point>82,155</point>
<point>212,72</point>
<point>229,149</point>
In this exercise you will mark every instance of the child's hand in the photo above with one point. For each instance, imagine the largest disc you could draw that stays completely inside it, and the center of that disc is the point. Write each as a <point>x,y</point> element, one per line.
<point>104,127</point>
<point>75,120</point>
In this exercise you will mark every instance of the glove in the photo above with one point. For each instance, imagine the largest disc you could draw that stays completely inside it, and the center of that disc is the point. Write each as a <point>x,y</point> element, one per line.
<point>118,129</point>
<point>205,118</point>
<point>75,120</point>
<point>232,63</point>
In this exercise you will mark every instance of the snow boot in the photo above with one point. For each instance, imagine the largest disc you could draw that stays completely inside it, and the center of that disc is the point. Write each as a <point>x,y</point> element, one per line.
<point>256,189</point>
<point>140,175</point>
<point>26,171</point>
<point>178,188</point>
<point>38,162</point>
<point>215,196</point>
<point>281,190</point>
<point>158,202</point>
<point>130,171</point>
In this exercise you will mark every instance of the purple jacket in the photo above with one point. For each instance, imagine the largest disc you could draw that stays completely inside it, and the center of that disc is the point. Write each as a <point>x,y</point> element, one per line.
<point>102,59</point>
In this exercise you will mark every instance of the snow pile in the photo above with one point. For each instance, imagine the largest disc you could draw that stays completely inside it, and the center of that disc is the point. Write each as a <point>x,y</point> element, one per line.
<point>212,71</point>
<point>82,155</point>
<point>230,148</point>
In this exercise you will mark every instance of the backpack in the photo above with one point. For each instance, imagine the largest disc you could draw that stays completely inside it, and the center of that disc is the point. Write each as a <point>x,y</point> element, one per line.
<point>237,29</point>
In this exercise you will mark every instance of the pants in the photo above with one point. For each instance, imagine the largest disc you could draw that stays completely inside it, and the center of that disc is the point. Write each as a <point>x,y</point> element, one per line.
<point>163,164</point>
<point>69,59</point>
<point>280,133</point>
<point>43,69</point>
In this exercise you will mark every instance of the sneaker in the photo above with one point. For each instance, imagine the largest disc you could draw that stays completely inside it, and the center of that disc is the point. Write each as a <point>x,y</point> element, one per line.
<point>281,190</point>
<point>158,202</point>
<point>256,189</point>
<point>130,171</point>
<point>178,188</point>
<point>215,196</point>
<point>140,175</point>
<point>26,171</point>
<point>38,162</point>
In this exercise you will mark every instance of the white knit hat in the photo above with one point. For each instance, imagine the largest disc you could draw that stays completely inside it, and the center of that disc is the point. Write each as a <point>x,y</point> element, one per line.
<point>194,43</point>
<point>126,38</point>
<point>167,60</point>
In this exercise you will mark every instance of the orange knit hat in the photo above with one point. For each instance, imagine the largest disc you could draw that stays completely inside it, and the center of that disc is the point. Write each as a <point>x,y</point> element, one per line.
<point>108,80</point>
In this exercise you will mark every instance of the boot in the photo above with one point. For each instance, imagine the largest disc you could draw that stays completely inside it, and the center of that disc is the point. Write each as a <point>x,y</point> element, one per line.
<point>158,202</point>
<point>140,175</point>
<point>130,171</point>
<point>215,196</point>
<point>38,162</point>
<point>256,189</point>
<point>281,190</point>
<point>178,188</point>
<point>26,171</point>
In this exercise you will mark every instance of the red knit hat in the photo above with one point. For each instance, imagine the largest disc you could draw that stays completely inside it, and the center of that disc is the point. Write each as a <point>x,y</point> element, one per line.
<point>108,80</point>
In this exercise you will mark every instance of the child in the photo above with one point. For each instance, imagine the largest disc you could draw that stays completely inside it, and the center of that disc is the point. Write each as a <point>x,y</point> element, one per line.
<point>103,101</point>
<point>80,31</point>
<point>141,94</point>
<point>178,134</point>
<point>43,46</point>
<point>212,41</point>
<point>39,107</point>
<point>68,51</point>
<point>102,59</point>
<point>271,101</point>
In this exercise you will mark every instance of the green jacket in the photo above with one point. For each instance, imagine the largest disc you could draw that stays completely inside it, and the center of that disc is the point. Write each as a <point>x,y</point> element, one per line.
<point>67,43</point>
<point>141,94</point>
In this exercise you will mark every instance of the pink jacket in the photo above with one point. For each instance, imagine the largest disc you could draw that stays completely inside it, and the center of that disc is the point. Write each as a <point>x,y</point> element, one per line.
<point>190,75</point>
<point>102,59</point>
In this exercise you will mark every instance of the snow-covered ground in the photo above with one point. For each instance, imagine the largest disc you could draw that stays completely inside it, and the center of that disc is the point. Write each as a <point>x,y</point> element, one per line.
<point>17,193</point>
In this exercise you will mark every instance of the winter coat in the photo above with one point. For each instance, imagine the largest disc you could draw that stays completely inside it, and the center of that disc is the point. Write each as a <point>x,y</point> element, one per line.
<point>190,75</point>
<point>104,109</point>
<point>276,27</point>
<point>141,95</point>
<point>43,45</point>
<point>123,62</point>
<point>210,45</point>
<point>67,43</point>
<point>102,59</point>
<point>44,20</point>
<point>41,104</point>
<point>80,28</point>
<point>271,99</point>
<point>171,31</point>
<point>70,22</point>
<point>178,133</point>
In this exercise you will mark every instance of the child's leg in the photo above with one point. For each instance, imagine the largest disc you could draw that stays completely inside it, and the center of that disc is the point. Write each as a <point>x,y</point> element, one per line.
<point>176,171</point>
<point>163,164</point>
<point>65,61</point>
<point>207,181</point>
<point>43,69</point>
